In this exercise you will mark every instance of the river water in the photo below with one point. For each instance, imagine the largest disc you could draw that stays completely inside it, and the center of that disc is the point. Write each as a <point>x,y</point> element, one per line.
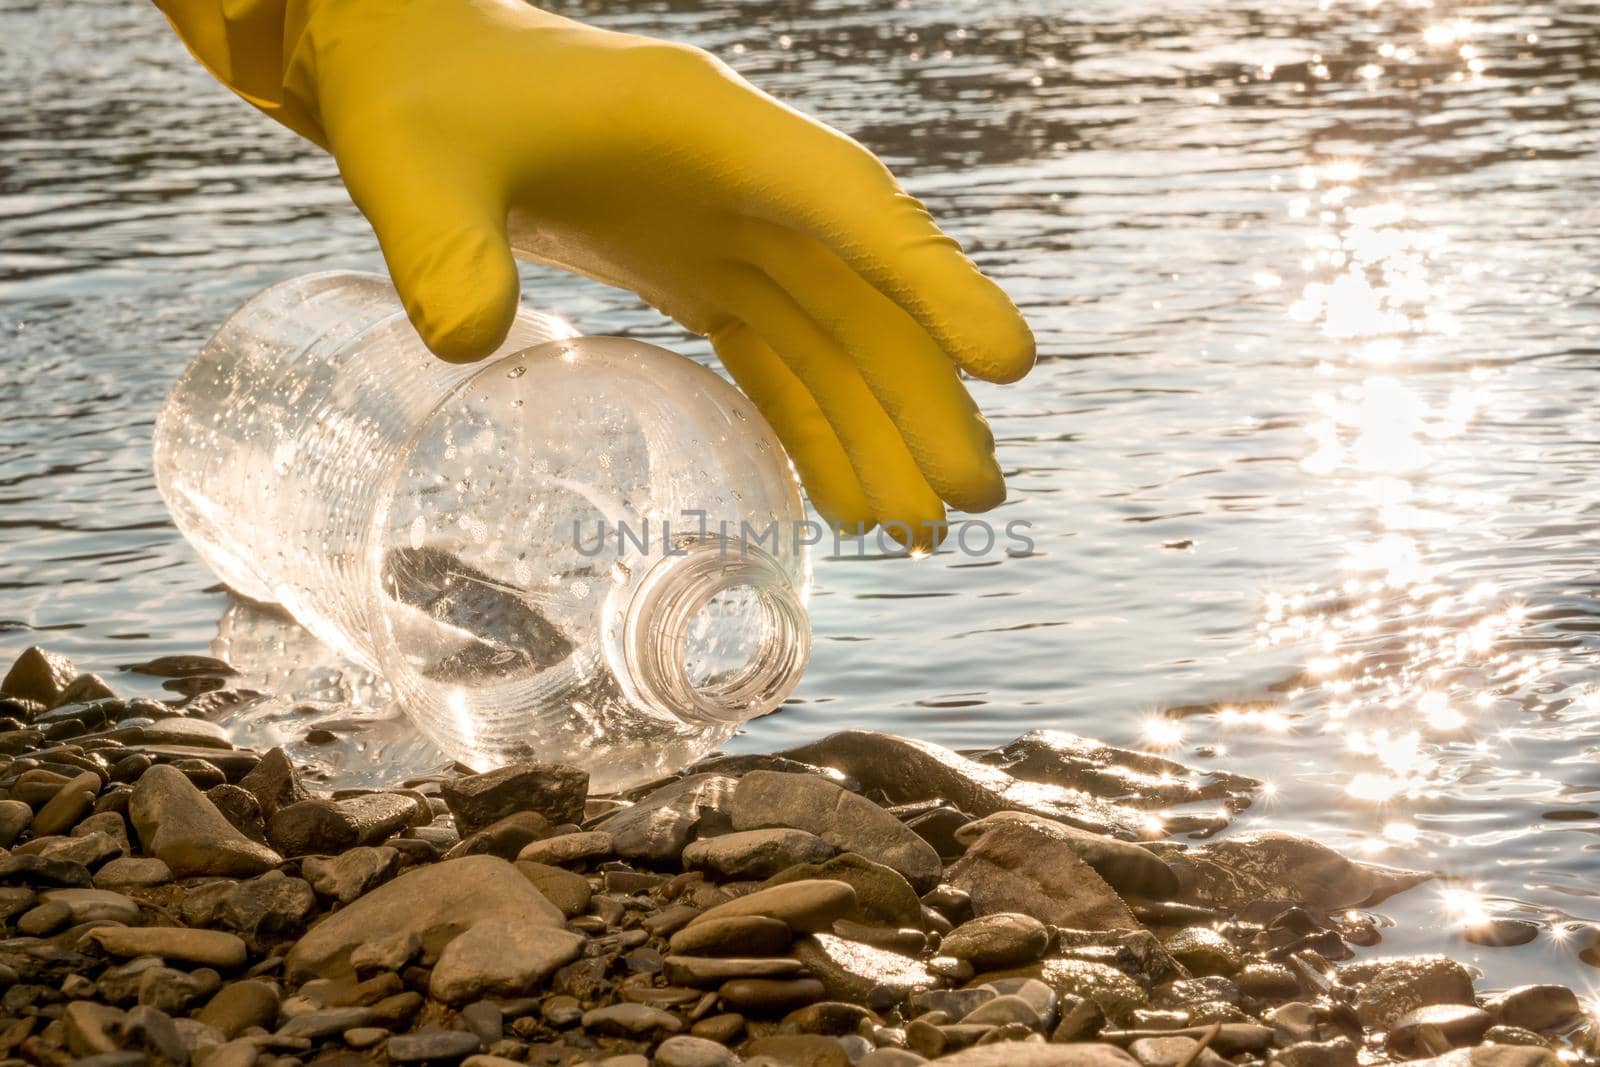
<point>1309,458</point>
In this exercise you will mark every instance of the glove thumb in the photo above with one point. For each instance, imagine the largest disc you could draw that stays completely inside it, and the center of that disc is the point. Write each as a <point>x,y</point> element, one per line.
<point>444,240</point>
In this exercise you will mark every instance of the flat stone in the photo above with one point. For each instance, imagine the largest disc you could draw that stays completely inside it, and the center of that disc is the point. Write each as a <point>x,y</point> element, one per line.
<point>739,935</point>
<point>1418,1033</point>
<point>1204,951</point>
<point>1003,1011</point>
<point>177,824</point>
<point>240,1005</point>
<point>883,896</point>
<point>755,854</point>
<point>711,970</point>
<point>90,850</point>
<point>1494,1056</point>
<point>434,902</point>
<point>1126,867</point>
<point>210,947</point>
<point>432,1045</point>
<point>1000,939</point>
<point>770,996</point>
<point>271,906</point>
<point>861,973</point>
<point>39,675</point>
<point>1029,1054</point>
<point>1340,1052</point>
<point>657,828</point>
<point>1016,868</point>
<point>91,905</point>
<point>553,790</point>
<point>1399,987</point>
<point>177,730</point>
<point>351,873</point>
<point>1535,1007</point>
<point>683,1050</point>
<point>500,957</point>
<point>565,889</point>
<point>568,848</point>
<point>845,820</point>
<point>18,869</point>
<point>328,826</point>
<point>274,783</point>
<point>803,906</point>
<point>631,1020</point>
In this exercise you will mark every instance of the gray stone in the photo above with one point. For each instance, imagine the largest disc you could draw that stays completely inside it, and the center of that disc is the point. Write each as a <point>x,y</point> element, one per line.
<point>177,824</point>
<point>657,828</point>
<point>239,806</point>
<point>1015,868</point>
<point>348,875</point>
<point>755,854</point>
<point>431,1045</point>
<point>500,957</point>
<point>435,903</point>
<point>739,935</point>
<point>848,822</point>
<point>631,1020</point>
<point>273,905</point>
<point>553,790</point>
<point>325,1022</point>
<point>999,939</point>
<point>90,905</point>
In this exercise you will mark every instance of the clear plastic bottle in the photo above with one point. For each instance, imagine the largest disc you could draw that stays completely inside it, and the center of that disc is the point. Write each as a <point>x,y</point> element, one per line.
<point>583,549</point>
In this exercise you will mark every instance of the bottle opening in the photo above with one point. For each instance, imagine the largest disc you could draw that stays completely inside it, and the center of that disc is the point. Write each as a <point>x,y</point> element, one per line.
<point>715,633</point>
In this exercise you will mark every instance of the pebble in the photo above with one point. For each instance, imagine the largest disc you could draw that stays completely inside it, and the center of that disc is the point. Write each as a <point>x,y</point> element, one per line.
<point>658,828</point>
<point>1436,1029</point>
<point>631,1020</point>
<point>211,947</point>
<point>754,854</point>
<point>772,996</point>
<point>569,848</point>
<point>1015,868</point>
<point>684,1050</point>
<point>238,1006</point>
<point>1535,1007</point>
<point>1204,951</point>
<point>1173,1052</point>
<point>72,802</point>
<point>845,820</point>
<point>566,890</point>
<point>883,896</point>
<point>431,1045</point>
<point>797,1050</point>
<point>1501,932</point>
<point>998,940</point>
<point>1399,987</point>
<point>500,957</point>
<point>274,783</point>
<point>351,873</point>
<point>14,818</point>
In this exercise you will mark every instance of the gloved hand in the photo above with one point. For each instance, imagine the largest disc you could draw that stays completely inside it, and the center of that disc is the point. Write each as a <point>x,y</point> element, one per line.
<point>467,130</point>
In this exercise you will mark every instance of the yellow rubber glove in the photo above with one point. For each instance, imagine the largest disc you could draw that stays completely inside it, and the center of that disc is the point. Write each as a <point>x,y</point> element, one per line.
<point>469,130</point>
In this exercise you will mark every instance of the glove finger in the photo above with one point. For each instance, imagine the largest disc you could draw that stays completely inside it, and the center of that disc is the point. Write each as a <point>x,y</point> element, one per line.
<point>900,497</point>
<point>824,469</point>
<point>444,240</point>
<point>846,199</point>
<point>902,364</point>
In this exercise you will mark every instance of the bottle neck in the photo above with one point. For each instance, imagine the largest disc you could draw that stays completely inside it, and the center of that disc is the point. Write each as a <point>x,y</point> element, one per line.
<point>715,632</point>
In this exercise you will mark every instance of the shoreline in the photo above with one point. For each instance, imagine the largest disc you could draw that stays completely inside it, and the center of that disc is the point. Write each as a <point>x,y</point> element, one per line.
<point>864,899</point>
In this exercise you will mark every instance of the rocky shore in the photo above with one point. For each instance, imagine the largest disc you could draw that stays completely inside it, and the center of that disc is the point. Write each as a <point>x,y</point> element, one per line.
<point>870,900</point>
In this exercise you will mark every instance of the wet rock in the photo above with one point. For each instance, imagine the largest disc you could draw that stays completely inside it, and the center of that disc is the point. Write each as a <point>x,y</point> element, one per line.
<point>1015,868</point>
<point>1515,1035</point>
<point>240,1005</point>
<point>499,957</point>
<point>1204,951</point>
<point>908,941</point>
<point>568,891</point>
<point>1004,1011</point>
<point>860,973</point>
<point>1436,1029</point>
<point>348,875</point>
<point>1397,987</point>
<point>1494,1056</point>
<point>740,935</point>
<point>1028,1054</point>
<point>240,807</point>
<point>434,903</point>
<point>132,872</point>
<point>210,947</point>
<point>569,848</point>
<point>1268,981</point>
<point>1535,1007</point>
<point>552,790</point>
<point>883,896</point>
<point>803,906</point>
<point>1116,994</point>
<point>657,828</point>
<point>325,826</point>
<point>710,970</point>
<point>177,824</point>
<point>683,1050</point>
<point>38,675</point>
<point>1173,1052</point>
<point>182,666</point>
<point>1127,868</point>
<point>505,837</point>
<point>755,854</point>
<point>1340,1052</point>
<point>997,940</point>
<point>1501,932</point>
<point>770,996</point>
<point>848,822</point>
<point>18,870</point>
<point>907,771</point>
<point>834,1018</point>
<point>1272,865</point>
<point>274,783</point>
<point>72,802</point>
